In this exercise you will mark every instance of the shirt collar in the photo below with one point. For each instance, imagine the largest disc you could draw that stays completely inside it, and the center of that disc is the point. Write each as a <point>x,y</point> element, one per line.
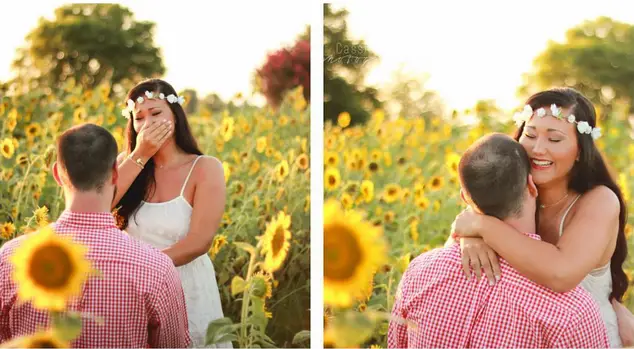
<point>87,219</point>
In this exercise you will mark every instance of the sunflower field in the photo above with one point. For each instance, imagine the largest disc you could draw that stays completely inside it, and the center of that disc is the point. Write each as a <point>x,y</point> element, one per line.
<point>261,252</point>
<point>392,193</point>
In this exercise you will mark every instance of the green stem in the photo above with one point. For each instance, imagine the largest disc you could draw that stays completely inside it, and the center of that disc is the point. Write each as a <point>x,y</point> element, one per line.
<point>246,301</point>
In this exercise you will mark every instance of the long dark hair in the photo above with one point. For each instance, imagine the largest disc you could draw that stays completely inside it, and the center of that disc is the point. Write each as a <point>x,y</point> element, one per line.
<point>590,171</point>
<point>144,185</point>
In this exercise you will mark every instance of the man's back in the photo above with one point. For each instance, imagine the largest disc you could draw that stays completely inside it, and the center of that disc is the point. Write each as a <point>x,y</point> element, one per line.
<point>137,294</point>
<point>451,311</point>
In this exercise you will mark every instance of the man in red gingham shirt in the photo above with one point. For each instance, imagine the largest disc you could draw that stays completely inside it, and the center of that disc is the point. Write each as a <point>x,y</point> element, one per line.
<point>450,311</point>
<point>138,295</point>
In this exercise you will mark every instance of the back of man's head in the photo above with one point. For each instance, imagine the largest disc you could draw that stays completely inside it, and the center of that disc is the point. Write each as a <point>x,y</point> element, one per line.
<point>493,172</point>
<point>86,155</point>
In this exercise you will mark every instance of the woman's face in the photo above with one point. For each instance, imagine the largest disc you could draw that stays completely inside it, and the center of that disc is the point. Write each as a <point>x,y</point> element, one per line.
<point>552,147</point>
<point>149,111</point>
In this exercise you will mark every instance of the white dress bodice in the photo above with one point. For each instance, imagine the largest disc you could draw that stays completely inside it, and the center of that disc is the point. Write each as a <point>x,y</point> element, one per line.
<point>162,225</point>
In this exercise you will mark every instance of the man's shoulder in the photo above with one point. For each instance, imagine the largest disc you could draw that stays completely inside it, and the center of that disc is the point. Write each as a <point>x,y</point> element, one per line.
<point>434,261</point>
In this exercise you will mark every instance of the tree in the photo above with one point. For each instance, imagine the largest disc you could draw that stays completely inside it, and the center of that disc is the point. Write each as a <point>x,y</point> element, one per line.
<point>284,70</point>
<point>596,58</point>
<point>346,64</point>
<point>91,43</point>
<point>408,97</point>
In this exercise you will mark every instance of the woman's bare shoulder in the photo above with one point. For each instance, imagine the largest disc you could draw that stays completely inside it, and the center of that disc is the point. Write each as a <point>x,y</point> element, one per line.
<point>600,199</point>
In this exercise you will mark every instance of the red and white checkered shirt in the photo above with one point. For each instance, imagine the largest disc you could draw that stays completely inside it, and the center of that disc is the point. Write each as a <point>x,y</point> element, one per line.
<point>453,312</point>
<point>138,295</point>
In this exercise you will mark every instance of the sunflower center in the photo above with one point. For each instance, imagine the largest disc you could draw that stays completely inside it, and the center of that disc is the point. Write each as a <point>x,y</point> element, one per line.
<point>435,182</point>
<point>43,343</point>
<point>332,180</point>
<point>391,192</point>
<point>278,240</point>
<point>51,267</point>
<point>342,253</point>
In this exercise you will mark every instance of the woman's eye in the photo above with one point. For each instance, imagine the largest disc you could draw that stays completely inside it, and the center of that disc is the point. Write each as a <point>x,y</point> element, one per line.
<point>555,140</point>
<point>155,114</point>
<point>528,135</point>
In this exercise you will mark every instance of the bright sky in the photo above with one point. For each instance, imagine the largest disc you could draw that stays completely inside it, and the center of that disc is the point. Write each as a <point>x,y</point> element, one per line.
<point>471,49</point>
<point>211,47</point>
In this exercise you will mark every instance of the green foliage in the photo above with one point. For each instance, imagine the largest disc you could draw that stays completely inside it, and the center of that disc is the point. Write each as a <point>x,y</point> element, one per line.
<point>596,58</point>
<point>92,43</point>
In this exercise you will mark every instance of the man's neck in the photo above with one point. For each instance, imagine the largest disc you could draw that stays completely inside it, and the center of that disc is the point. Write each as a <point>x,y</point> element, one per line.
<point>525,223</point>
<point>87,203</point>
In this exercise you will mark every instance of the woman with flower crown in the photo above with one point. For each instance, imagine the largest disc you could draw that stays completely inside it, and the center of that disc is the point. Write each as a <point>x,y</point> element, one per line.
<point>172,196</point>
<point>581,215</point>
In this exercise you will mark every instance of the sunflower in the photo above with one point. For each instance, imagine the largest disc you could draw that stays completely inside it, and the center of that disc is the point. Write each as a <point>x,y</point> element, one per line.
<point>391,193</point>
<point>347,201</point>
<point>413,230</point>
<point>239,188</point>
<point>453,160</point>
<point>219,241</point>
<point>227,171</point>
<point>227,128</point>
<point>389,216</point>
<point>302,161</point>
<point>422,203</point>
<point>331,159</point>
<point>367,190</point>
<point>260,144</point>
<point>276,241</point>
<point>79,115</point>
<point>254,167</point>
<point>11,124</point>
<point>33,130</point>
<point>49,269</point>
<point>332,179</point>
<point>41,216</point>
<point>261,285</point>
<point>344,119</point>
<point>353,250</point>
<point>7,230</point>
<point>436,183</point>
<point>7,148</point>
<point>43,339</point>
<point>281,171</point>
<point>22,160</point>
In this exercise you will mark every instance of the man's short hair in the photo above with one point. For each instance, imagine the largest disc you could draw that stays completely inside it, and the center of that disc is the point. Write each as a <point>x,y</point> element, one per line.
<point>87,154</point>
<point>494,171</point>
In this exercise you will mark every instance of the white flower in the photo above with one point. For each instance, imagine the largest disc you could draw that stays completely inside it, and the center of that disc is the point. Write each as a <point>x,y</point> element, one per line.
<point>149,94</point>
<point>172,99</point>
<point>528,109</point>
<point>554,110</point>
<point>518,118</point>
<point>139,100</point>
<point>541,112</point>
<point>596,133</point>
<point>181,100</point>
<point>584,127</point>
<point>125,113</point>
<point>571,118</point>
<point>161,96</point>
<point>130,104</point>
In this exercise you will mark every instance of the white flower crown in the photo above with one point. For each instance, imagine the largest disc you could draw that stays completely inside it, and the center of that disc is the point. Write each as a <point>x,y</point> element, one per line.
<point>582,126</point>
<point>150,95</point>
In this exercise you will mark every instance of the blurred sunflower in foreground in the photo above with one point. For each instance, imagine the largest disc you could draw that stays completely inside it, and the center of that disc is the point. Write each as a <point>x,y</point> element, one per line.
<point>49,269</point>
<point>353,250</point>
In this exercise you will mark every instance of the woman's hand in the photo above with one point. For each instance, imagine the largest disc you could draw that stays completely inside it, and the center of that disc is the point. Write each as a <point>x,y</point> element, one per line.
<point>477,255</point>
<point>152,136</point>
<point>625,320</point>
<point>466,224</point>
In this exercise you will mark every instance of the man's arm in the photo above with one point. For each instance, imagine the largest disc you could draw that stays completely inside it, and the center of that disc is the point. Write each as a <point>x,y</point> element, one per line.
<point>168,324</point>
<point>397,331</point>
<point>586,330</point>
<point>5,329</point>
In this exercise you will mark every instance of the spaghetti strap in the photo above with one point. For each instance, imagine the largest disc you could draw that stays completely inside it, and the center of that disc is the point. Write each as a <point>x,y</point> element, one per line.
<point>188,175</point>
<point>561,225</point>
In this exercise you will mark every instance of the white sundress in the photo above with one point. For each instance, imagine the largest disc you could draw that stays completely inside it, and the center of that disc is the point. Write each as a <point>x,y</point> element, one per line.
<point>162,225</point>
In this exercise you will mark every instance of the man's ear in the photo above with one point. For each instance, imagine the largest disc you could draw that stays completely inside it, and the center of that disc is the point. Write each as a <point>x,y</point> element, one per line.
<point>532,188</point>
<point>56,174</point>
